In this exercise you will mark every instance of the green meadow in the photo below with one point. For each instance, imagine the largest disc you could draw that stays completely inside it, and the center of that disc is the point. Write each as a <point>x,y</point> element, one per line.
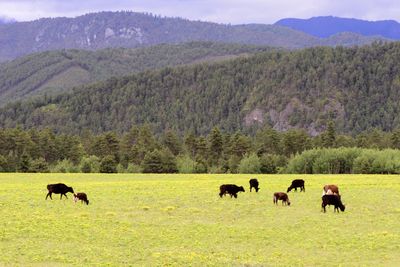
<point>179,220</point>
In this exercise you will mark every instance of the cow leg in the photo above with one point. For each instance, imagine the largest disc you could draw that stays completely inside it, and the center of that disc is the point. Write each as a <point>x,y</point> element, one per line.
<point>61,196</point>
<point>250,188</point>
<point>48,195</point>
<point>65,196</point>
<point>235,195</point>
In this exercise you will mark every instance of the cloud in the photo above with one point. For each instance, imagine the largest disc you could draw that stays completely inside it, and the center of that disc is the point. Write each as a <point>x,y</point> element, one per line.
<point>222,11</point>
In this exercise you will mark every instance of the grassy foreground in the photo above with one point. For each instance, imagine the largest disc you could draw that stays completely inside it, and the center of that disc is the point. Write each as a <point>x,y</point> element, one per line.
<point>179,220</point>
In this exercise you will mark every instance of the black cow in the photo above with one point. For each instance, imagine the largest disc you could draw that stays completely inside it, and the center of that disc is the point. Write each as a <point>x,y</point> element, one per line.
<point>332,200</point>
<point>254,183</point>
<point>82,197</point>
<point>58,189</point>
<point>295,184</point>
<point>281,196</point>
<point>231,189</point>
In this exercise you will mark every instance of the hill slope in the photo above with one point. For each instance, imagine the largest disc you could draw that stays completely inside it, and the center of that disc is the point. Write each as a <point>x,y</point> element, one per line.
<point>324,27</point>
<point>356,87</point>
<point>129,29</point>
<point>55,71</point>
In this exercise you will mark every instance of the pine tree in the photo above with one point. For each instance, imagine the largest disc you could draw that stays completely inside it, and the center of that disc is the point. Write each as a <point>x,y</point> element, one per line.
<point>153,162</point>
<point>215,146</point>
<point>108,164</point>
<point>329,136</point>
<point>172,142</point>
<point>190,144</point>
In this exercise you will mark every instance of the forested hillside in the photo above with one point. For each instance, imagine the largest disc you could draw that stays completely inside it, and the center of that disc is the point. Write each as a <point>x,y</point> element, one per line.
<point>55,71</point>
<point>130,29</point>
<point>358,88</point>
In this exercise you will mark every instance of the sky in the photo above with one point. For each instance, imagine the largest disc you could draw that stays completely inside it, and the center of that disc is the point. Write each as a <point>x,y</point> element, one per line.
<point>221,11</point>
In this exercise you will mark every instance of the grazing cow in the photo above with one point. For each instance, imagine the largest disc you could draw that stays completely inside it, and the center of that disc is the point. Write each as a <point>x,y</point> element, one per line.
<point>332,200</point>
<point>281,196</point>
<point>295,184</point>
<point>330,189</point>
<point>58,189</point>
<point>82,197</point>
<point>254,183</point>
<point>231,189</point>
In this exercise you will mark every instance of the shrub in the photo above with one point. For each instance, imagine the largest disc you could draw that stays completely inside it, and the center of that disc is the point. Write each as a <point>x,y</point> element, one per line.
<point>233,163</point>
<point>250,164</point>
<point>346,160</point>
<point>185,164</point>
<point>270,163</point>
<point>133,168</point>
<point>90,164</point>
<point>39,165</point>
<point>200,167</point>
<point>65,166</point>
<point>108,165</point>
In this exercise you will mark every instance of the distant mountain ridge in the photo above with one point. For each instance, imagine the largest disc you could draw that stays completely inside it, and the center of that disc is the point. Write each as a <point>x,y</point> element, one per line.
<point>326,26</point>
<point>130,29</point>
<point>5,20</point>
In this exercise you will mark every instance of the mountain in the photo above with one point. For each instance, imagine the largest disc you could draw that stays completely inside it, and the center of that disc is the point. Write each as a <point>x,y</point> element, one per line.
<point>5,20</point>
<point>358,88</point>
<point>55,71</point>
<point>325,27</point>
<point>130,29</point>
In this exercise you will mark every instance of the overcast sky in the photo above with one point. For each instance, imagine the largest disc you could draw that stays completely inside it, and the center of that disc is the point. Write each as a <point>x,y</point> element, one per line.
<point>223,11</point>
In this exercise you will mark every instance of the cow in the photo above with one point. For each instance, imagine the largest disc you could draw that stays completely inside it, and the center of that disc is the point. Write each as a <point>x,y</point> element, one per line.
<point>295,184</point>
<point>58,189</point>
<point>231,189</point>
<point>330,189</point>
<point>254,183</point>
<point>82,197</point>
<point>281,196</point>
<point>332,200</point>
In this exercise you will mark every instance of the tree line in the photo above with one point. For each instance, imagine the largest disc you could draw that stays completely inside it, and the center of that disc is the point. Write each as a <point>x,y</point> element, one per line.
<point>141,150</point>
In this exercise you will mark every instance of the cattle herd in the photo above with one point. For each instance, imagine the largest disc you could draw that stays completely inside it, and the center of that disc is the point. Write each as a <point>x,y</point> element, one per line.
<point>330,193</point>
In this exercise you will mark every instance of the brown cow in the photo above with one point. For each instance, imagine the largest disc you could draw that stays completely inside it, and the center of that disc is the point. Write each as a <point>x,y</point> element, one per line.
<point>82,197</point>
<point>281,196</point>
<point>330,189</point>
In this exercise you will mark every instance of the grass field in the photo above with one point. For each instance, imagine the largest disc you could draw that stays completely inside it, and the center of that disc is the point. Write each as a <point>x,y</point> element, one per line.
<point>179,220</point>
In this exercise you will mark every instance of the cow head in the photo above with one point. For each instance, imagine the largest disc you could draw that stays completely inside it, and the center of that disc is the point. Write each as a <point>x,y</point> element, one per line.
<point>342,207</point>
<point>257,189</point>
<point>70,190</point>
<point>241,189</point>
<point>288,189</point>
